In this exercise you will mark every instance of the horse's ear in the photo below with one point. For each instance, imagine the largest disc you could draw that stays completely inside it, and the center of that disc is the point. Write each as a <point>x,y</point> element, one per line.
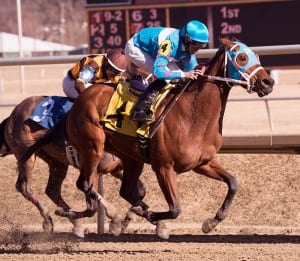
<point>226,43</point>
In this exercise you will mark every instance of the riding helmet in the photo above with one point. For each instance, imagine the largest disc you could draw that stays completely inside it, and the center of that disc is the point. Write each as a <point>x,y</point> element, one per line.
<point>195,31</point>
<point>117,59</point>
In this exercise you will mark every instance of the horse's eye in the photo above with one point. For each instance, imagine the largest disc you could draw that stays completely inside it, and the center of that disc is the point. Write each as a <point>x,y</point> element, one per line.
<point>242,59</point>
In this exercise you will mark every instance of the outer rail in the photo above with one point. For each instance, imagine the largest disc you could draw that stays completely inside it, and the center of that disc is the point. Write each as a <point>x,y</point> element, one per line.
<point>208,53</point>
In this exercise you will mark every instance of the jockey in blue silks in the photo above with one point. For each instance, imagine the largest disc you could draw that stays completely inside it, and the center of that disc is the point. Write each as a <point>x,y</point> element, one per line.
<point>156,50</point>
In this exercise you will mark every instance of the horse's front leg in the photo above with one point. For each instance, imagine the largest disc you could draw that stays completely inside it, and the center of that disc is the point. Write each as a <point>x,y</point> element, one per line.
<point>167,181</point>
<point>214,170</point>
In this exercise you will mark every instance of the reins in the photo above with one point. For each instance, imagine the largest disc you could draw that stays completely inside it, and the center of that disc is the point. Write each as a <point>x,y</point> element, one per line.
<point>224,79</point>
<point>168,108</point>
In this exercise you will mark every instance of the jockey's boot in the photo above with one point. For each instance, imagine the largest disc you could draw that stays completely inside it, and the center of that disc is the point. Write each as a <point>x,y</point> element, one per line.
<point>142,112</point>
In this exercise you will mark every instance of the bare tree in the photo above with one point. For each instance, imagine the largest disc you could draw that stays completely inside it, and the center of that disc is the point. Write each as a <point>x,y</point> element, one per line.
<point>54,20</point>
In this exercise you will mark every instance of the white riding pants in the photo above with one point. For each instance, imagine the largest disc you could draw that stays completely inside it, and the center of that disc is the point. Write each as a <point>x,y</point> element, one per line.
<point>142,59</point>
<point>68,85</point>
<point>69,89</point>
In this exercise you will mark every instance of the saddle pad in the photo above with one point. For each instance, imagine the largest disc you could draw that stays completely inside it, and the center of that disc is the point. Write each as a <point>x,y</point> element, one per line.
<point>51,110</point>
<point>117,117</point>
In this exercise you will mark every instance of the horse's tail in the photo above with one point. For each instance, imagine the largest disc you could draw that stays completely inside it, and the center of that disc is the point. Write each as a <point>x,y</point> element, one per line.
<point>47,138</point>
<point>4,148</point>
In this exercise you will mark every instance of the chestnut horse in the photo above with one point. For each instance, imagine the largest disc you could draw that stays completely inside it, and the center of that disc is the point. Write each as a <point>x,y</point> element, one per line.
<point>187,139</point>
<point>17,133</point>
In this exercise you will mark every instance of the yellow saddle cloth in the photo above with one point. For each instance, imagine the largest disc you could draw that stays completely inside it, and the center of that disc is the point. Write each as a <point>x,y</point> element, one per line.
<point>122,102</point>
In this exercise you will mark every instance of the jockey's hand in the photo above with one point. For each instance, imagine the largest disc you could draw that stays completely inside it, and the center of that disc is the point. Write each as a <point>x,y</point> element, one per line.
<point>79,85</point>
<point>193,74</point>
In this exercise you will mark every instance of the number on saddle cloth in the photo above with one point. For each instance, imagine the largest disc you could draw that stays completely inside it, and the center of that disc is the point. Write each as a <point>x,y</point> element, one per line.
<point>51,110</point>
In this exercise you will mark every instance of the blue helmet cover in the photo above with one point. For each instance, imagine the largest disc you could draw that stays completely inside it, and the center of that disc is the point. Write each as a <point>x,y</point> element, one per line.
<point>196,31</point>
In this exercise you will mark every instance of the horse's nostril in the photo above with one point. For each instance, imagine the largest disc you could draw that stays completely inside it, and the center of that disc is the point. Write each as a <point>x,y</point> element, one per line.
<point>268,82</point>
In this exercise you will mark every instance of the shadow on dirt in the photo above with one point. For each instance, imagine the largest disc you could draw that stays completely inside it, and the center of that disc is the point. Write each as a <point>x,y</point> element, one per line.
<point>238,239</point>
<point>40,237</point>
<point>34,243</point>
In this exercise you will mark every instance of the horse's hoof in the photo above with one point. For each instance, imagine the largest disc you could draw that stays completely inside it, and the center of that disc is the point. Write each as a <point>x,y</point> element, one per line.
<point>162,231</point>
<point>79,232</point>
<point>48,225</point>
<point>209,224</point>
<point>124,224</point>
<point>138,210</point>
<point>130,214</point>
<point>86,231</point>
<point>60,212</point>
<point>115,228</point>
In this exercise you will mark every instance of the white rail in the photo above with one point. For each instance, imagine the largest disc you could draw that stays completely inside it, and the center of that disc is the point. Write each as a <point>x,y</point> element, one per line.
<point>208,53</point>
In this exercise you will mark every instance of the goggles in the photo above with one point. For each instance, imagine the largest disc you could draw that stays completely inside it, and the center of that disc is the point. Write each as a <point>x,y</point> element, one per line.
<point>114,70</point>
<point>198,44</point>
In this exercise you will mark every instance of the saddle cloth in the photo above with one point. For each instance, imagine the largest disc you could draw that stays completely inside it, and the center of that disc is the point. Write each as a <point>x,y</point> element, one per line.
<point>123,100</point>
<point>48,113</point>
<point>51,110</point>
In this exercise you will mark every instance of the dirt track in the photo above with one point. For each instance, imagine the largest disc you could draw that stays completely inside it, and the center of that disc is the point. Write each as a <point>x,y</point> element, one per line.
<point>263,223</point>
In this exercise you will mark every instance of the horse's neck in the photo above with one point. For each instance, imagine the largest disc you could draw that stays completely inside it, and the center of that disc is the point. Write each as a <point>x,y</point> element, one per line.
<point>217,68</point>
<point>207,100</point>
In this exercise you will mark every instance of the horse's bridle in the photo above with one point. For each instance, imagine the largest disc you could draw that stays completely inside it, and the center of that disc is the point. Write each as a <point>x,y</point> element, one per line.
<point>240,71</point>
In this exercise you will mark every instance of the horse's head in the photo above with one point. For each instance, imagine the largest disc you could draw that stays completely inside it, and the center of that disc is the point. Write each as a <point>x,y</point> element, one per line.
<point>243,64</point>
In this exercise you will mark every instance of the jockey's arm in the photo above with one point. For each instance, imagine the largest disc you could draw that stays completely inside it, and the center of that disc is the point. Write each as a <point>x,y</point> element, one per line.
<point>161,70</point>
<point>191,68</point>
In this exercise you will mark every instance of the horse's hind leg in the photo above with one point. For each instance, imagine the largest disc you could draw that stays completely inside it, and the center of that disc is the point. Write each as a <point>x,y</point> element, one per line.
<point>214,170</point>
<point>86,183</point>
<point>23,185</point>
<point>57,174</point>
<point>113,165</point>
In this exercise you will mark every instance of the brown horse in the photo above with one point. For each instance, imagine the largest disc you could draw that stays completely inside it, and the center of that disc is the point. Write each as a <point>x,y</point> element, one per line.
<point>187,139</point>
<point>17,133</point>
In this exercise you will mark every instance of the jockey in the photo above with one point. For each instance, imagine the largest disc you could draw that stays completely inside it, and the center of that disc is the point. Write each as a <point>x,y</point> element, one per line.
<point>156,50</point>
<point>94,69</point>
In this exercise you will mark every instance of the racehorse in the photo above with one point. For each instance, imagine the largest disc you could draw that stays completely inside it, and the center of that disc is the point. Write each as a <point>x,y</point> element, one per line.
<point>188,137</point>
<point>18,133</point>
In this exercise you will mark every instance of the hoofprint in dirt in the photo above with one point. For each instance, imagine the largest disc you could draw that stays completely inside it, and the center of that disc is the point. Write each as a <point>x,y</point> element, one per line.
<point>263,223</point>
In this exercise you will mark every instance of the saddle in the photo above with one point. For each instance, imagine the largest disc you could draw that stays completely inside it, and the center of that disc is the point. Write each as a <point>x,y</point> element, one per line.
<point>122,103</point>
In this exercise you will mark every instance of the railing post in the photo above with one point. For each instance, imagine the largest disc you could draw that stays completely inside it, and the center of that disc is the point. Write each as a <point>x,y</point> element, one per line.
<point>101,211</point>
<point>271,123</point>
